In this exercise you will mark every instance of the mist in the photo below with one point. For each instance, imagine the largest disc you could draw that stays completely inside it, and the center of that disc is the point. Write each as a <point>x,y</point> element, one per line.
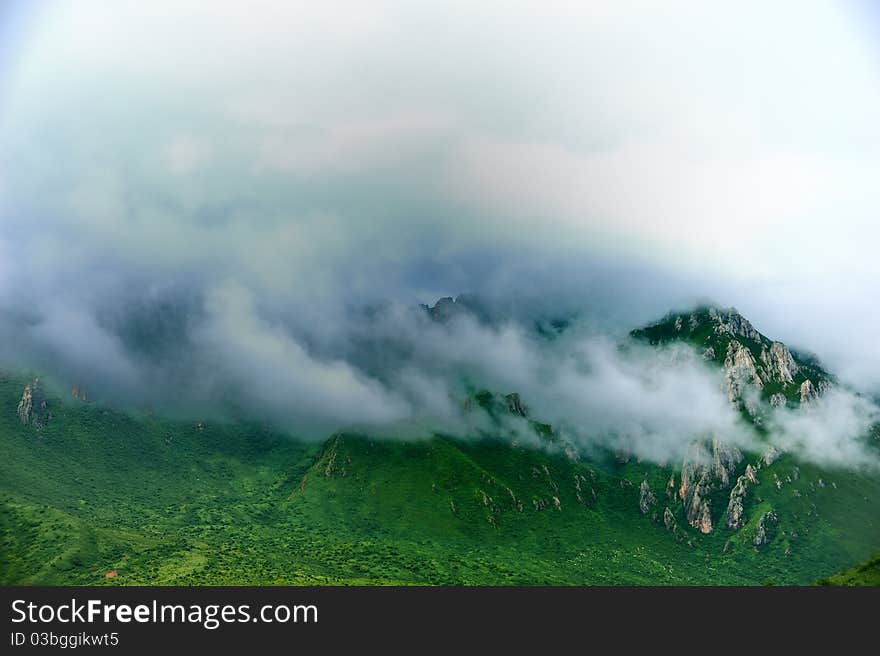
<point>237,213</point>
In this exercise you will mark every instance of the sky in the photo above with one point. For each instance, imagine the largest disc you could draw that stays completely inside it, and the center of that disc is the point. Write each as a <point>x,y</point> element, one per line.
<point>254,175</point>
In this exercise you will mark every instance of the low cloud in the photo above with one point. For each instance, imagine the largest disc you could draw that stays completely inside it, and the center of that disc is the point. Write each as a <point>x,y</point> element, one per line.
<point>238,211</point>
<point>833,430</point>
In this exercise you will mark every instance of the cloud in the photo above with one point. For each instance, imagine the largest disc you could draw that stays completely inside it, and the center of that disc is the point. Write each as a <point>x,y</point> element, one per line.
<point>831,431</point>
<point>249,182</point>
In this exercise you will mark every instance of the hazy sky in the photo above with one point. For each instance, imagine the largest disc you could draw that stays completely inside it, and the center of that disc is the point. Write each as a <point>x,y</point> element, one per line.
<point>279,162</point>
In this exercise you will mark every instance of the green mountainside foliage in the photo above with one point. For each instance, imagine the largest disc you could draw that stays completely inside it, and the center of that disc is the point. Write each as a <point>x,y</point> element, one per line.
<point>92,495</point>
<point>866,573</point>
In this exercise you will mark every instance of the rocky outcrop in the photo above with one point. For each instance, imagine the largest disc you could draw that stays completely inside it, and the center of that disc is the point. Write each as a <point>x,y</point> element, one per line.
<point>697,510</point>
<point>733,323</point>
<point>809,393</point>
<point>668,519</point>
<point>701,472</point>
<point>725,459</point>
<point>709,353</point>
<point>778,400</point>
<point>26,404</point>
<point>33,409</point>
<point>646,498</point>
<point>79,393</point>
<point>765,529</point>
<point>739,371</point>
<point>735,506</point>
<point>779,364</point>
<point>515,405</point>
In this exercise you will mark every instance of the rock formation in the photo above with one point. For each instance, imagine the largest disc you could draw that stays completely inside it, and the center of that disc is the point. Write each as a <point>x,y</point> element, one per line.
<point>701,472</point>
<point>33,407</point>
<point>646,498</point>
<point>732,322</point>
<point>739,371</point>
<point>779,364</point>
<point>26,404</point>
<point>809,393</point>
<point>765,529</point>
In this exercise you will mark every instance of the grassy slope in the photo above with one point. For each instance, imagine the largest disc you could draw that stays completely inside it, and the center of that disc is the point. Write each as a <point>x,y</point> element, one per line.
<point>165,503</point>
<point>867,573</point>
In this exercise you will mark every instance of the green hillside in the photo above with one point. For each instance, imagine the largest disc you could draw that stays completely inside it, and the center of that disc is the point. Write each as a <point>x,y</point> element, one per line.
<point>94,491</point>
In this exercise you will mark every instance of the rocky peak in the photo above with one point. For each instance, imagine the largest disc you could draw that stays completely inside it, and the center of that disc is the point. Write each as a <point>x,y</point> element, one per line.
<point>26,404</point>
<point>701,472</point>
<point>778,400</point>
<point>736,504</point>
<point>444,309</point>
<point>765,529</point>
<point>646,498</point>
<point>730,321</point>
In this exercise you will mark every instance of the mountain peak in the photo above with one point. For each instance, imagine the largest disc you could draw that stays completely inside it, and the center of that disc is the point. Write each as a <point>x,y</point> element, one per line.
<point>726,338</point>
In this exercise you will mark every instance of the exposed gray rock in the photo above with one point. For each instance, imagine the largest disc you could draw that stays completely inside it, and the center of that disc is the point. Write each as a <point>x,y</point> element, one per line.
<point>26,404</point>
<point>779,364</point>
<point>33,407</point>
<point>646,498</point>
<point>739,371</point>
<point>709,353</point>
<point>778,400</point>
<point>735,506</point>
<point>809,393</point>
<point>668,519</point>
<point>766,529</point>
<point>725,459</point>
<point>771,455</point>
<point>732,322</point>
<point>752,475</point>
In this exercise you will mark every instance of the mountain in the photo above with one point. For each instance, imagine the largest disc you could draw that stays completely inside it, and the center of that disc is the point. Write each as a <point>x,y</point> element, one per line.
<point>749,359</point>
<point>96,495</point>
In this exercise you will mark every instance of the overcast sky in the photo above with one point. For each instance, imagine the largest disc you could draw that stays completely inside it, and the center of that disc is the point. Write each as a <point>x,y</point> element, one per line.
<point>281,161</point>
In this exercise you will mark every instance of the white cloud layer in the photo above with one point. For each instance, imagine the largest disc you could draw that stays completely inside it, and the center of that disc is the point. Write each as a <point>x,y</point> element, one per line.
<point>246,177</point>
